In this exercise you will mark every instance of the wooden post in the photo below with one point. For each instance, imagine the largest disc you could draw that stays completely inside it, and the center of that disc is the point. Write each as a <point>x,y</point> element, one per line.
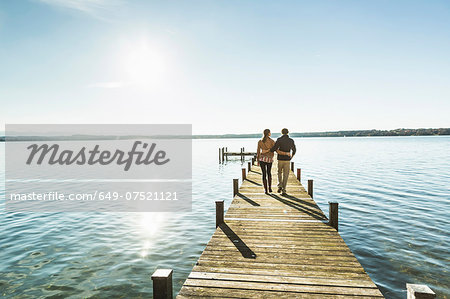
<point>235,187</point>
<point>220,155</point>
<point>310,188</point>
<point>292,166</point>
<point>242,151</point>
<point>249,166</point>
<point>253,160</point>
<point>223,154</point>
<point>333,218</point>
<point>162,284</point>
<point>299,174</point>
<point>244,176</point>
<point>419,291</point>
<point>219,212</point>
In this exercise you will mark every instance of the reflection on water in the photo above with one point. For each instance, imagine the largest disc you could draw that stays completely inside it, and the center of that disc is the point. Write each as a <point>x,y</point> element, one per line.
<point>394,201</point>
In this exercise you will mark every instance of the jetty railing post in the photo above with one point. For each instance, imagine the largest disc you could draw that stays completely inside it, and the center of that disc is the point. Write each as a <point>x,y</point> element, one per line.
<point>244,175</point>
<point>235,186</point>
<point>310,188</point>
<point>419,291</point>
<point>299,174</point>
<point>333,218</point>
<point>219,212</point>
<point>292,166</point>
<point>223,154</point>
<point>162,284</point>
<point>220,155</point>
<point>249,166</point>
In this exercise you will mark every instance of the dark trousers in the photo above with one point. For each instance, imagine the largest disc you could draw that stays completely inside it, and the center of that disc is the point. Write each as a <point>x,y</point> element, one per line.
<point>266,169</point>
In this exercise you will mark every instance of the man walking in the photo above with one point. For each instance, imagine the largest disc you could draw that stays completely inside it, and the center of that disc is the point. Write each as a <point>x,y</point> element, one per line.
<point>284,144</point>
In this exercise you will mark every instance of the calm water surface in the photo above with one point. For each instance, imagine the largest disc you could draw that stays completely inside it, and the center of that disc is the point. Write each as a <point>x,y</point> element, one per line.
<point>394,196</point>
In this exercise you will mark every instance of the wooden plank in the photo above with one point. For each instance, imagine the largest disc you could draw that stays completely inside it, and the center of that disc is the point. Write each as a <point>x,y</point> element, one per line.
<point>239,154</point>
<point>299,258</point>
<point>276,246</point>
<point>309,260</point>
<point>297,288</point>
<point>291,279</point>
<point>202,292</point>
<point>282,272</point>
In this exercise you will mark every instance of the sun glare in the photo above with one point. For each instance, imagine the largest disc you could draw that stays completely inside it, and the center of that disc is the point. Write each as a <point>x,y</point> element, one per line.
<point>144,64</point>
<point>150,223</point>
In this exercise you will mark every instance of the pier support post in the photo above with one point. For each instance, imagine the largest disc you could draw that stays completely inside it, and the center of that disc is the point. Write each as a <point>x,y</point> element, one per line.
<point>249,166</point>
<point>333,218</point>
<point>299,174</point>
<point>223,154</point>
<point>419,291</point>
<point>220,155</point>
<point>244,175</point>
<point>310,188</point>
<point>235,186</point>
<point>162,284</point>
<point>219,212</point>
<point>292,166</point>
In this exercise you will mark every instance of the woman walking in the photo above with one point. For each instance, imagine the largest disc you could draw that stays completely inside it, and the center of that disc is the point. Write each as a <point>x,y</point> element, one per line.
<point>265,158</point>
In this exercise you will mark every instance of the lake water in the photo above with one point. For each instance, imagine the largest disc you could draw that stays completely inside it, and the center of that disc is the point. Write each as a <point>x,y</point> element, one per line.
<point>394,195</point>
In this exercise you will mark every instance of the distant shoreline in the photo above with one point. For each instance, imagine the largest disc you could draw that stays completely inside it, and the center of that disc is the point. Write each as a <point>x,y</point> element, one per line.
<point>353,133</point>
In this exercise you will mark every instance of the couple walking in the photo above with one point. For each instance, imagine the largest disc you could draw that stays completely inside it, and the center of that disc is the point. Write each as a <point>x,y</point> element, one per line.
<point>265,153</point>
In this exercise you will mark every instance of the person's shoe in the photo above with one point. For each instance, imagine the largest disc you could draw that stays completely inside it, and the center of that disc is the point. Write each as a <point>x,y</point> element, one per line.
<point>266,193</point>
<point>284,193</point>
<point>280,189</point>
<point>270,190</point>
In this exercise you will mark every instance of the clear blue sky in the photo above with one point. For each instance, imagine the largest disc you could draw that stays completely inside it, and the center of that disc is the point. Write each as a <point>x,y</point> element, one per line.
<point>227,66</point>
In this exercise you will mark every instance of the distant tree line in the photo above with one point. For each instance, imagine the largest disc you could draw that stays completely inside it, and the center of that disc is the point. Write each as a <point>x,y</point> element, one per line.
<point>361,133</point>
<point>356,133</point>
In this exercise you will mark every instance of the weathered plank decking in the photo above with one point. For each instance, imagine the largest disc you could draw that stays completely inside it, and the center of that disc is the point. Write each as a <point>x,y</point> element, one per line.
<point>275,246</point>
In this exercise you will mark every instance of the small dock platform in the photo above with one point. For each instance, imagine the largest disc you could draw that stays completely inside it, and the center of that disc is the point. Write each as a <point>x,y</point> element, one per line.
<point>277,246</point>
<point>224,154</point>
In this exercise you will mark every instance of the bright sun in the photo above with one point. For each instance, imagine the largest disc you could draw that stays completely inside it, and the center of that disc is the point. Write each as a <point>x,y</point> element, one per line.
<point>143,64</point>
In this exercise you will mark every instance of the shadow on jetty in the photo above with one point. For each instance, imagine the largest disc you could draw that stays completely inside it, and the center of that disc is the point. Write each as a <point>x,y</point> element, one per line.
<point>253,203</point>
<point>240,245</point>
<point>253,182</point>
<point>299,204</point>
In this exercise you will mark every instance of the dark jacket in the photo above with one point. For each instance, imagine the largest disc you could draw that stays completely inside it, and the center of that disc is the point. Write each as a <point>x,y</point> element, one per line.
<point>284,144</point>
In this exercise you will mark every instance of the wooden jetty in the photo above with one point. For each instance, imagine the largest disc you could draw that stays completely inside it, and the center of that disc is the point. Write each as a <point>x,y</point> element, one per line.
<point>277,246</point>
